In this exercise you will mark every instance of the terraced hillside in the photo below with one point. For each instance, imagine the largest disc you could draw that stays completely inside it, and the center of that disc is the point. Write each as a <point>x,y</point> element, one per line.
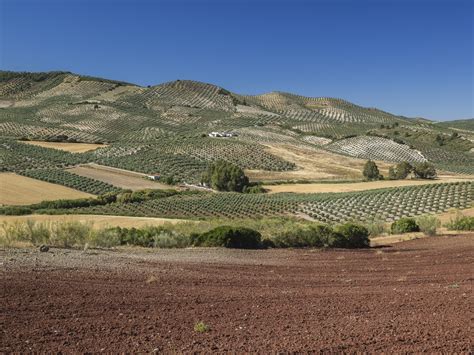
<point>164,129</point>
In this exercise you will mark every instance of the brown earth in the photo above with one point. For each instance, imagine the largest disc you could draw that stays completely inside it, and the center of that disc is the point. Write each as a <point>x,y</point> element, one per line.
<point>409,297</point>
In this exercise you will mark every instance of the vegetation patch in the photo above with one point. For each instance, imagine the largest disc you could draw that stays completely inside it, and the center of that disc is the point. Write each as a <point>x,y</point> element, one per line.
<point>404,225</point>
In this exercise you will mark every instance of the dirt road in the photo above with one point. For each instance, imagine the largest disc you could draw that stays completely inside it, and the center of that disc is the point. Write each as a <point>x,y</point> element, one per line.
<point>411,297</point>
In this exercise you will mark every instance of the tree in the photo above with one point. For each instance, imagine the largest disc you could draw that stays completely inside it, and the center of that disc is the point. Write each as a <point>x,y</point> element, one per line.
<point>224,176</point>
<point>371,171</point>
<point>399,171</point>
<point>439,140</point>
<point>424,171</point>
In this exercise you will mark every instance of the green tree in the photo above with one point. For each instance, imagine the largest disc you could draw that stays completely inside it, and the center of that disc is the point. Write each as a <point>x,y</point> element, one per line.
<point>424,171</point>
<point>225,176</point>
<point>371,171</point>
<point>400,171</point>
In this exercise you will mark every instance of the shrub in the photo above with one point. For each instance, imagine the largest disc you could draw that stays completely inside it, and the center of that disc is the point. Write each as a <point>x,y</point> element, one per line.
<point>461,223</point>
<point>70,234</point>
<point>428,224</point>
<point>314,236</point>
<point>350,235</point>
<point>15,211</point>
<point>375,227</point>
<point>29,231</point>
<point>371,171</point>
<point>228,237</point>
<point>404,225</point>
<point>151,237</point>
<point>256,189</point>
<point>107,238</point>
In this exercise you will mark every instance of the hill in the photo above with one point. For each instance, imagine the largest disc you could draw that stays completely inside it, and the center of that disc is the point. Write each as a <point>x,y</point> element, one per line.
<point>164,129</point>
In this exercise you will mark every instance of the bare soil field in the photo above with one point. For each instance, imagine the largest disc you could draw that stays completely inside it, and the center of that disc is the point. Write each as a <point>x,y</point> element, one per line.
<point>97,221</point>
<point>356,186</point>
<point>118,177</point>
<point>413,296</point>
<point>68,147</point>
<point>21,190</point>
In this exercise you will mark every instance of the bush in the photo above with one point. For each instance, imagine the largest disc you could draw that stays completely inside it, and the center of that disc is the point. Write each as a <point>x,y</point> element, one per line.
<point>150,237</point>
<point>15,211</point>
<point>428,224</point>
<point>228,237</point>
<point>256,189</point>
<point>350,235</point>
<point>314,236</point>
<point>106,238</point>
<point>404,225</point>
<point>70,234</point>
<point>375,227</point>
<point>29,231</point>
<point>461,223</point>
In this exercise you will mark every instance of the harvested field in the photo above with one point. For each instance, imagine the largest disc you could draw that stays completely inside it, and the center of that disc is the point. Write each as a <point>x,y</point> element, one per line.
<point>97,221</point>
<point>312,164</point>
<point>21,190</point>
<point>118,177</point>
<point>410,297</point>
<point>68,147</point>
<point>356,186</point>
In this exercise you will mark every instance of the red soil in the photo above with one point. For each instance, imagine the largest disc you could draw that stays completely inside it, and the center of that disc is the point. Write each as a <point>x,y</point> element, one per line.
<point>414,296</point>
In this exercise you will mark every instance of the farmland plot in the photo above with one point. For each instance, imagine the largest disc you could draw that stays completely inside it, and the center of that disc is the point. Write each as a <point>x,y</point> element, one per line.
<point>21,190</point>
<point>117,177</point>
<point>68,147</point>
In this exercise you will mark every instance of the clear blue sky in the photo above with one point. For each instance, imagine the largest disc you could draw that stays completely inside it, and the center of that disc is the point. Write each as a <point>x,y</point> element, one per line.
<point>409,57</point>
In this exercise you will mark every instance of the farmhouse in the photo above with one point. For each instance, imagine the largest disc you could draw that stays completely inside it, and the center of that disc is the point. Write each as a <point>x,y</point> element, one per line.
<point>222,134</point>
<point>154,177</point>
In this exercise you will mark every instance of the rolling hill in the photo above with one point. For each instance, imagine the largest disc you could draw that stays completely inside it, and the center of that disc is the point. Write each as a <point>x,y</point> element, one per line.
<point>164,128</point>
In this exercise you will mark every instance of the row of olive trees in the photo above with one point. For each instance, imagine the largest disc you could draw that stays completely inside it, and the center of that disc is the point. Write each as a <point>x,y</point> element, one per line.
<point>400,171</point>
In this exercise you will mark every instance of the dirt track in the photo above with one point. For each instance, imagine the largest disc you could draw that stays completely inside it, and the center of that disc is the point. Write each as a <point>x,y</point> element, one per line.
<point>413,296</point>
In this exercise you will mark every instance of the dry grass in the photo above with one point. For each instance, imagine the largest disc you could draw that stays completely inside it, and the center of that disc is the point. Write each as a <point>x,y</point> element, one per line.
<point>97,221</point>
<point>313,164</point>
<point>118,177</point>
<point>349,187</point>
<point>443,217</point>
<point>68,147</point>
<point>20,190</point>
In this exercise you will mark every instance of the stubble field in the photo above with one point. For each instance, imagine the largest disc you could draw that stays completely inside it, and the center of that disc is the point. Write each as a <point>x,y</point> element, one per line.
<point>21,190</point>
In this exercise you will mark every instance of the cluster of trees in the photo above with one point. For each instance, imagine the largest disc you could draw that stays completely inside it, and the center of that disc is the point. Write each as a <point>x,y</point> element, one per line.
<point>441,139</point>
<point>400,171</point>
<point>225,176</point>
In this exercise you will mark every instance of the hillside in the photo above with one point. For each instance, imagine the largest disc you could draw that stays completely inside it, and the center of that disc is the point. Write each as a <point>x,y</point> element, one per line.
<point>164,129</point>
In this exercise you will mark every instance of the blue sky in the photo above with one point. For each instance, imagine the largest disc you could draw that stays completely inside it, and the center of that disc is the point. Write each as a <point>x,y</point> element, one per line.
<point>413,58</point>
